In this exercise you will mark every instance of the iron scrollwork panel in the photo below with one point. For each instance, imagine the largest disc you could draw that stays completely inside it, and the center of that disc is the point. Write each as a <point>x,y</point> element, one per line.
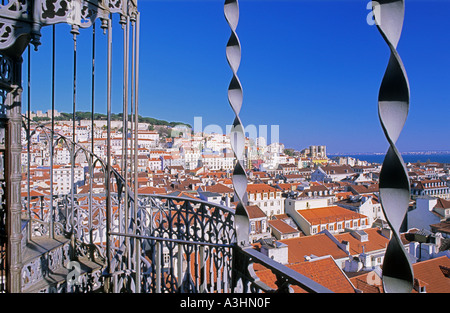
<point>26,17</point>
<point>191,267</point>
<point>185,246</point>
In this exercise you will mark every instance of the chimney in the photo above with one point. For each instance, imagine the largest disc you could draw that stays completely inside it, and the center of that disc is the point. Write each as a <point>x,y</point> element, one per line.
<point>347,245</point>
<point>418,287</point>
<point>386,232</point>
<point>275,250</point>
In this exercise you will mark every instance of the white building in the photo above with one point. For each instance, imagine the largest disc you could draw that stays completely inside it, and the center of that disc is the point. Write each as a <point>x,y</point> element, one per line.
<point>217,142</point>
<point>191,158</point>
<point>335,219</point>
<point>82,133</point>
<point>332,173</point>
<point>429,210</point>
<point>216,162</point>
<point>148,134</point>
<point>366,205</point>
<point>267,198</point>
<point>62,182</point>
<point>305,203</point>
<point>430,187</point>
<point>62,156</point>
<point>154,164</point>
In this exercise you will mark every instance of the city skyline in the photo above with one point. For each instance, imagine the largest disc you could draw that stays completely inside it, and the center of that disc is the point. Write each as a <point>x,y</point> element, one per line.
<point>300,197</point>
<point>311,67</point>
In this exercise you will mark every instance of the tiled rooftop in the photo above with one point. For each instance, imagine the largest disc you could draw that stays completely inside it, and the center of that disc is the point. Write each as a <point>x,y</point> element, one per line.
<point>329,215</point>
<point>376,241</point>
<point>318,245</point>
<point>430,274</point>
<point>433,273</point>
<point>323,271</point>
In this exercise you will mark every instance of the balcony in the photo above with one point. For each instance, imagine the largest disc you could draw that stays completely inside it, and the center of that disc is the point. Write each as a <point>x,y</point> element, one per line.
<point>170,244</point>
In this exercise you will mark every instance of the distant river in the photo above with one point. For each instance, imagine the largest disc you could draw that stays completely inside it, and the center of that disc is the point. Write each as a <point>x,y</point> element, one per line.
<point>407,158</point>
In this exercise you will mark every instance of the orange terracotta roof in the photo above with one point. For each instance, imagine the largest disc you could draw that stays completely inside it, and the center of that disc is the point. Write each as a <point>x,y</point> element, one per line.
<point>288,186</point>
<point>282,227</point>
<point>34,193</point>
<point>219,188</point>
<point>255,212</point>
<point>151,190</point>
<point>442,204</point>
<point>343,195</point>
<point>368,283</point>
<point>362,189</point>
<point>376,241</point>
<point>323,271</point>
<point>319,245</point>
<point>433,273</point>
<point>257,188</point>
<point>328,215</point>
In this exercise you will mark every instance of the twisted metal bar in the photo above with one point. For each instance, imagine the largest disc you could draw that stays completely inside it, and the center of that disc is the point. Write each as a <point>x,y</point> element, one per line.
<point>237,136</point>
<point>393,107</point>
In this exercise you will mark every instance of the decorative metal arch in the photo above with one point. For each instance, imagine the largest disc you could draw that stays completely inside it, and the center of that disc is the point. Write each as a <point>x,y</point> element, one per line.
<point>21,20</point>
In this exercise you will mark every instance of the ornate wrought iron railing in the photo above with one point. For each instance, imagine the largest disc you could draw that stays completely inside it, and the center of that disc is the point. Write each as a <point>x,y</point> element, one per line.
<point>20,24</point>
<point>175,245</point>
<point>169,244</point>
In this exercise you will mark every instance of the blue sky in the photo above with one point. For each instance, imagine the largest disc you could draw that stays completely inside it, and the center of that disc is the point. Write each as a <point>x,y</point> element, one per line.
<point>311,67</point>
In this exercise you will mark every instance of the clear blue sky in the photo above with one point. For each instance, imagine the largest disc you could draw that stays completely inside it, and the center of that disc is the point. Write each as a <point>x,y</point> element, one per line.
<point>312,67</point>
